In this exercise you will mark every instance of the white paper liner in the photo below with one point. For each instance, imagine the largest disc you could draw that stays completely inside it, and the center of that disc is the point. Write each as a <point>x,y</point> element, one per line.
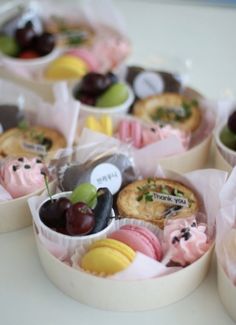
<point>4,195</point>
<point>143,267</point>
<point>55,241</point>
<point>226,228</point>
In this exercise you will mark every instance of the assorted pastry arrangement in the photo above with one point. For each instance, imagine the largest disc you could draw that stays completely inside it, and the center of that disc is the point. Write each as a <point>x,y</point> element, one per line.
<point>156,217</point>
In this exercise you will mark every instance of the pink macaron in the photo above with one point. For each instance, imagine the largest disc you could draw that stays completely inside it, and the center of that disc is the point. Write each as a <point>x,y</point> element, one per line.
<point>139,239</point>
<point>130,131</point>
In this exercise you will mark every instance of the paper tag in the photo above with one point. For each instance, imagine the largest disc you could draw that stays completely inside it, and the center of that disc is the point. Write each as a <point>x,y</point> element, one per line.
<point>148,83</point>
<point>106,175</point>
<point>170,199</point>
<point>33,147</point>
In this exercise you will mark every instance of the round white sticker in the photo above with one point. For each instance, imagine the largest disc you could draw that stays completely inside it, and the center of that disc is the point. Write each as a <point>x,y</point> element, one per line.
<point>106,175</point>
<point>148,83</point>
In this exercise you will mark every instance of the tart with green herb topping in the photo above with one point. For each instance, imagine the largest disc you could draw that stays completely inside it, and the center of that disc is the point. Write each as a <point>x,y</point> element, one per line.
<point>168,108</point>
<point>30,141</point>
<point>156,200</point>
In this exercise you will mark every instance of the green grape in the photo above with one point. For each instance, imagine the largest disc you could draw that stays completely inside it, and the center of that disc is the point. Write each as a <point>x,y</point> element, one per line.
<point>113,96</point>
<point>86,193</point>
<point>228,138</point>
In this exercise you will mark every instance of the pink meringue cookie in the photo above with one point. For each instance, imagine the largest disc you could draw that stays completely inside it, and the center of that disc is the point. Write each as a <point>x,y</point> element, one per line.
<point>185,241</point>
<point>156,133</point>
<point>22,176</point>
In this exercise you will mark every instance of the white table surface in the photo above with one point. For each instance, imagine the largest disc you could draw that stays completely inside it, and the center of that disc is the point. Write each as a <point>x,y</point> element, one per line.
<point>203,34</point>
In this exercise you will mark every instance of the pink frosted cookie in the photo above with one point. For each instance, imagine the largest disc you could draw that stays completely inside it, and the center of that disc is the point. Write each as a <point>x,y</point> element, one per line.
<point>139,239</point>
<point>185,241</point>
<point>156,133</point>
<point>22,176</point>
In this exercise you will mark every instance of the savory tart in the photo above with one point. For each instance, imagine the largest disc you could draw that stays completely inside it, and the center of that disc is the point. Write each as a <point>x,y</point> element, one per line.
<point>156,200</point>
<point>36,140</point>
<point>170,108</point>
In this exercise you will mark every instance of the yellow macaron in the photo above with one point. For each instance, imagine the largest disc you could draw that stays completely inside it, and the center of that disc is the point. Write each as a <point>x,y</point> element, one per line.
<point>107,256</point>
<point>66,67</point>
<point>103,125</point>
<point>106,123</point>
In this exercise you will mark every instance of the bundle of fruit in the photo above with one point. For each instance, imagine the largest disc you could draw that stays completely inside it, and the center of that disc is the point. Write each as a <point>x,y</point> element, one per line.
<point>26,41</point>
<point>85,211</point>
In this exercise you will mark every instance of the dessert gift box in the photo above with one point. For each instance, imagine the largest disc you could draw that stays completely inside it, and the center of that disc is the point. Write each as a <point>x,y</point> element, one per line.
<point>89,37</point>
<point>126,294</point>
<point>23,104</point>
<point>225,245</point>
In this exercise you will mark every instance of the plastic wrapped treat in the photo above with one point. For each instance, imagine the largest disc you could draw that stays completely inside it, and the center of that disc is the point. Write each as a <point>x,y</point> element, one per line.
<point>39,131</point>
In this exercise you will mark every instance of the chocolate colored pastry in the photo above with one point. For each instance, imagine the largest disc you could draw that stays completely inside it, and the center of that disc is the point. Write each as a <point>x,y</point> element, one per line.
<point>147,82</point>
<point>10,116</point>
<point>112,171</point>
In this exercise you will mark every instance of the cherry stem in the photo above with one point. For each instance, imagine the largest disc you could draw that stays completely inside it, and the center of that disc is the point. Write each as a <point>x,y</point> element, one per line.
<point>47,187</point>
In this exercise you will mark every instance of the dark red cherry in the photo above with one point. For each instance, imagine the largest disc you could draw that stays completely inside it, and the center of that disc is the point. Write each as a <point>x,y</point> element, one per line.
<point>80,219</point>
<point>232,122</point>
<point>52,213</point>
<point>44,43</point>
<point>94,84</point>
<point>24,36</point>
<point>86,99</point>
